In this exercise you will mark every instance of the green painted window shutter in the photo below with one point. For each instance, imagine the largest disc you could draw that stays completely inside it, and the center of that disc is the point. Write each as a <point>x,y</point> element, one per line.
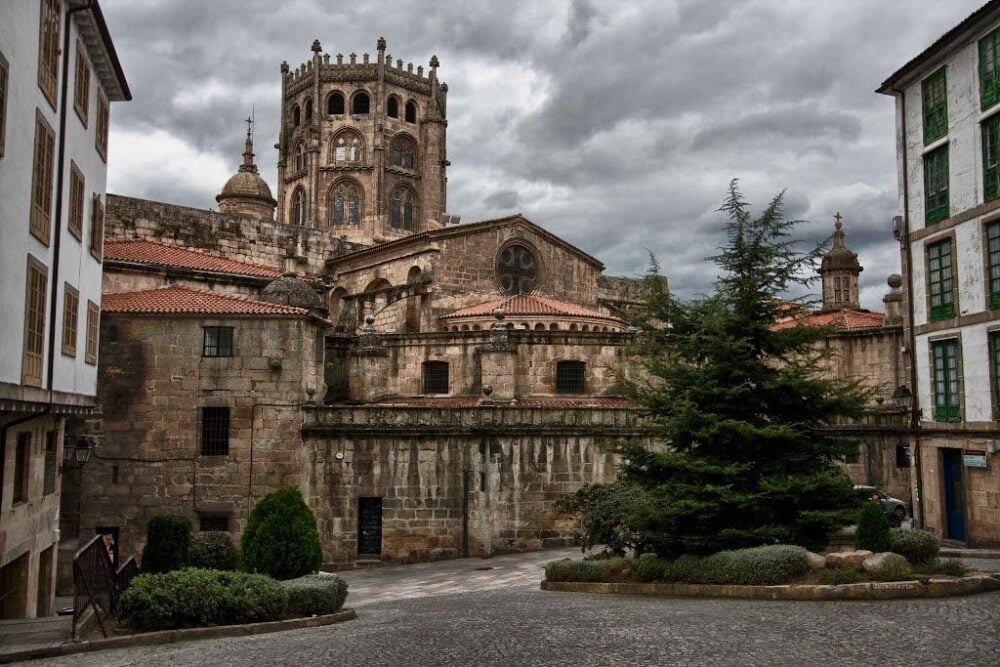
<point>993,257</point>
<point>947,403</point>
<point>934,91</point>
<point>936,186</point>
<point>995,372</point>
<point>989,70</point>
<point>940,280</point>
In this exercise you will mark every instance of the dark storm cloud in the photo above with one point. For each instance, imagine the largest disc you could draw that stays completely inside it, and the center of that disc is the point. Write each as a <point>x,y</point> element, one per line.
<point>617,125</point>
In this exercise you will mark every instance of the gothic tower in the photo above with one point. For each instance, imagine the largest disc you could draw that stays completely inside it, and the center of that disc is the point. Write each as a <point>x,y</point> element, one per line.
<point>839,270</point>
<point>361,150</point>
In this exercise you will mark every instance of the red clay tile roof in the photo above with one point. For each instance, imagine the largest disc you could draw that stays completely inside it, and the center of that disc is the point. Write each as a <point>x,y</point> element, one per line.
<point>845,319</point>
<point>161,254</point>
<point>529,305</point>
<point>175,300</point>
<point>531,402</point>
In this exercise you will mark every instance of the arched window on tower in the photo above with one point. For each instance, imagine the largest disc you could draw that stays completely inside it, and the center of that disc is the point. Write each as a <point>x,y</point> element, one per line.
<point>360,104</point>
<point>392,107</point>
<point>296,116</point>
<point>309,109</point>
<point>403,153</point>
<point>347,147</point>
<point>401,209</point>
<point>345,204</point>
<point>335,104</point>
<point>411,112</point>
<point>300,208</point>
<point>300,156</point>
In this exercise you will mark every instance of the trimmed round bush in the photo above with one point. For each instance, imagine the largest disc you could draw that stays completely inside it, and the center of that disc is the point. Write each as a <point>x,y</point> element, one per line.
<point>280,538</point>
<point>213,551</point>
<point>758,566</point>
<point>916,546</point>
<point>605,569</point>
<point>650,568</point>
<point>315,594</point>
<point>168,542</point>
<point>194,597</point>
<point>873,529</point>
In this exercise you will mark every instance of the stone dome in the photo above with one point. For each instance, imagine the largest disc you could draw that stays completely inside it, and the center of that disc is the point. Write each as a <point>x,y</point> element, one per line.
<point>289,290</point>
<point>247,184</point>
<point>840,257</point>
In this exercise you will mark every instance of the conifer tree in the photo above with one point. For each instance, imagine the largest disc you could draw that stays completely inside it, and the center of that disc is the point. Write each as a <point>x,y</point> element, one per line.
<point>741,405</point>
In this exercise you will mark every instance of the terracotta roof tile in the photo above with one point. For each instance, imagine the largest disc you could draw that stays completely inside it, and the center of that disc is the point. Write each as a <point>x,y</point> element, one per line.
<point>529,305</point>
<point>845,319</point>
<point>161,254</point>
<point>175,300</point>
<point>531,402</point>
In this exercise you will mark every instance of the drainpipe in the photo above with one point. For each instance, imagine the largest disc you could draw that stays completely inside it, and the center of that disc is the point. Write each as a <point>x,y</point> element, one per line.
<point>912,336</point>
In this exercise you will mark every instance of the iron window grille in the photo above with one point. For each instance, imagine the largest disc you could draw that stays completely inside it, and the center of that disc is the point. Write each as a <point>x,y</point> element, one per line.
<point>435,377</point>
<point>993,261</point>
<point>940,282</point>
<point>571,377</point>
<point>215,431</point>
<point>947,402</point>
<point>218,342</point>
<point>934,91</point>
<point>936,186</point>
<point>989,70</point>
<point>213,523</point>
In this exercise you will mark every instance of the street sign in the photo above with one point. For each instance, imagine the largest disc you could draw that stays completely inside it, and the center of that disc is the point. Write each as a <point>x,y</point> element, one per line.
<point>974,458</point>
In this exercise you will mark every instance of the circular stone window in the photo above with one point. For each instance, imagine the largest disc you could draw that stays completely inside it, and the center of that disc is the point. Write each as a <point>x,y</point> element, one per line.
<point>518,271</point>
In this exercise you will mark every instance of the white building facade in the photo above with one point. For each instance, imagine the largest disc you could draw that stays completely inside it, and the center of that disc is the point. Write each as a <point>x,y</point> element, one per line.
<point>58,75</point>
<point>948,157</point>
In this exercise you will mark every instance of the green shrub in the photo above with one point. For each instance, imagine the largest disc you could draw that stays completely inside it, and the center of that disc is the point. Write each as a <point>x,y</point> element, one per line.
<point>194,597</point>
<point>916,546</point>
<point>608,569</point>
<point>168,541</point>
<point>315,594</point>
<point>280,538</point>
<point>650,568</point>
<point>951,568</point>
<point>774,564</point>
<point>604,511</point>
<point>214,551</point>
<point>686,569</point>
<point>841,575</point>
<point>873,529</point>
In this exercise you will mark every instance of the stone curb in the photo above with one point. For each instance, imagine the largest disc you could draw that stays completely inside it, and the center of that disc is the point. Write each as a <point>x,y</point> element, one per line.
<point>171,636</point>
<point>970,553</point>
<point>891,590</point>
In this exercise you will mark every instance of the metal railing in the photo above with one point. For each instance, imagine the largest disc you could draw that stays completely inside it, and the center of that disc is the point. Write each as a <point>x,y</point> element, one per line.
<point>97,584</point>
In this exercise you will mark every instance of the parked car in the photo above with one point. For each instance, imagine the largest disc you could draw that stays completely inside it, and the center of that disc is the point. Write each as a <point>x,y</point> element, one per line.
<point>895,509</point>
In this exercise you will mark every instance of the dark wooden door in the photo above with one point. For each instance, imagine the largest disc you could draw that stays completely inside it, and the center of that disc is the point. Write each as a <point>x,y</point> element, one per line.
<point>954,494</point>
<point>369,526</point>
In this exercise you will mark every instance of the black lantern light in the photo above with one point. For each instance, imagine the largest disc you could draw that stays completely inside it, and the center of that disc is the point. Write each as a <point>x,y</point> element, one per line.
<point>902,398</point>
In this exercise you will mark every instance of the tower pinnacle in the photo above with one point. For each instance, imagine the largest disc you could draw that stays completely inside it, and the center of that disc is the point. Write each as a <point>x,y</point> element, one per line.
<point>248,153</point>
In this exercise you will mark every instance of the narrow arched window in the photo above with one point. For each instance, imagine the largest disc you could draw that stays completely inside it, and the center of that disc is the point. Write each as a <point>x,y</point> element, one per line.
<point>571,377</point>
<point>411,112</point>
<point>300,157</point>
<point>296,116</point>
<point>347,148</point>
<point>345,204</point>
<point>435,377</point>
<point>335,104</point>
<point>403,153</point>
<point>392,107</point>
<point>309,109</point>
<point>300,208</point>
<point>360,104</point>
<point>401,209</point>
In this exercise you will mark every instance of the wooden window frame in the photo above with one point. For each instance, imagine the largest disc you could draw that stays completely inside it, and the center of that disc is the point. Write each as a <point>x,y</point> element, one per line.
<point>35,312</point>
<point>49,29</point>
<point>944,409</point>
<point>93,333</point>
<point>42,171</point>
<point>81,86</point>
<point>77,188</point>
<point>991,260</point>
<point>989,70</point>
<point>937,206</point>
<point>4,94</point>
<point>97,227</point>
<point>71,319</point>
<point>943,310</point>
<point>216,430</point>
<point>101,133</point>
<point>993,353</point>
<point>934,99</point>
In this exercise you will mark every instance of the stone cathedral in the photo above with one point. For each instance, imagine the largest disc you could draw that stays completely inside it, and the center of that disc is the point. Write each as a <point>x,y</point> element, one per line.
<point>431,387</point>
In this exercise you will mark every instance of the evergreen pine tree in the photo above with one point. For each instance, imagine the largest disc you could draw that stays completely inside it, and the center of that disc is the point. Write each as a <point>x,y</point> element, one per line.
<point>741,405</point>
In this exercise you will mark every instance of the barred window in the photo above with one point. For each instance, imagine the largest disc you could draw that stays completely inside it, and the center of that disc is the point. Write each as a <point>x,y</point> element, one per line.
<point>571,377</point>
<point>218,342</point>
<point>936,186</point>
<point>81,91</point>
<point>435,377</point>
<point>49,483</point>
<point>215,431</point>
<point>934,91</point>
<point>940,282</point>
<point>101,136</point>
<point>76,190</point>
<point>71,309</point>
<point>41,180</point>
<point>48,49</point>
<point>93,332</point>
<point>213,523</point>
<point>34,323</point>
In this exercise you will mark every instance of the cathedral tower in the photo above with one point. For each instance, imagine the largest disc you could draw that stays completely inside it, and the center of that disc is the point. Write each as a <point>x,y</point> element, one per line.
<point>361,150</point>
<point>246,193</point>
<point>839,270</point>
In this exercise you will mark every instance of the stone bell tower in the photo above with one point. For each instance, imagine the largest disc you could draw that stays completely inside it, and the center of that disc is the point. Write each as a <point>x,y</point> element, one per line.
<point>361,151</point>
<point>839,270</point>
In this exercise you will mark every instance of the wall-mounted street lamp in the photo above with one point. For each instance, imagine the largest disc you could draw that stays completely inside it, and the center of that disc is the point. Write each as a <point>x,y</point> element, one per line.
<point>79,453</point>
<point>902,398</point>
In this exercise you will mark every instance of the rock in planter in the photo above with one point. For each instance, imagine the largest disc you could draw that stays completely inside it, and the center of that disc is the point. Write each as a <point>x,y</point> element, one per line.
<point>816,562</point>
<point>848,558</point>
<point>884,559</point>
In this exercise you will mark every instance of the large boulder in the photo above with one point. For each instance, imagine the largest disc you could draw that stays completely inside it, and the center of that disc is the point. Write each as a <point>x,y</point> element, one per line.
<point>816,562</point>
<point>884,559</point>
<point>854,558</point>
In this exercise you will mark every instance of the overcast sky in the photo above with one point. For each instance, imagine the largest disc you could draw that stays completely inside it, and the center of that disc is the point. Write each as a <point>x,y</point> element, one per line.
<point>616,125</point>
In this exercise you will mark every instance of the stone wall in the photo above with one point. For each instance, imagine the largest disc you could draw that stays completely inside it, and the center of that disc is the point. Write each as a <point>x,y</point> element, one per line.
<point>873,357</point>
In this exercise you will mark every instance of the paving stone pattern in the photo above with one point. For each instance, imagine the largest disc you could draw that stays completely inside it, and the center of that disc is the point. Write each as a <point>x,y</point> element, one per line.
<point>453,614</point>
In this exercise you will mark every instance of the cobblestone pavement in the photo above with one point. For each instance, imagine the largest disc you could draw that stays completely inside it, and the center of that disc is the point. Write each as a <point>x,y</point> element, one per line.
<point>463,616</point>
